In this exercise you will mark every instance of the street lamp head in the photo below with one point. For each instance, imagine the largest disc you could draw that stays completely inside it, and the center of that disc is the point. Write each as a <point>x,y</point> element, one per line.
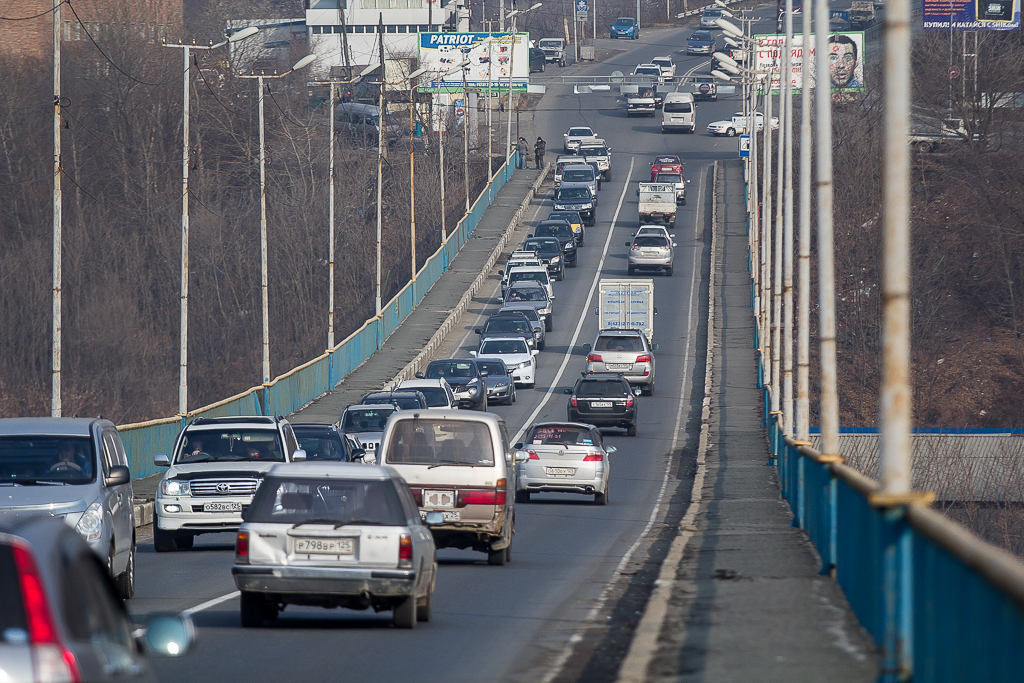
<point>729,28</point>
<point>535,6</point>
<point>730,42</point>
<point>721,76</point>
<point>723,58</point>
<point>304,62</point>
<point>731,68</point>
<point>415,74</point>
<point>369,70</point>
<point>243,34</point>
<point>727,13</point>
<point>720,3</point>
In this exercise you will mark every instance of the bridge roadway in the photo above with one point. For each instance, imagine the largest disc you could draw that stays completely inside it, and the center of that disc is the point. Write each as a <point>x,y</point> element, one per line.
<point>566,605</point>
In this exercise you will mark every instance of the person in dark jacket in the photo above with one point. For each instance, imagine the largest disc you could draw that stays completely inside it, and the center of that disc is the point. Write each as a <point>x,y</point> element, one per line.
<point>524,149</point>
<point>539,149</point>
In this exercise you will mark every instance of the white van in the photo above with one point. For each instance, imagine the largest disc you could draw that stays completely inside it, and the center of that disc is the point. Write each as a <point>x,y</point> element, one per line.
<point>679,113</point>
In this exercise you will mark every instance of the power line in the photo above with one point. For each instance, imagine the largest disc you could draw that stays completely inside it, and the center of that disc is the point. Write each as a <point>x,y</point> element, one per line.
<point>34,16</point>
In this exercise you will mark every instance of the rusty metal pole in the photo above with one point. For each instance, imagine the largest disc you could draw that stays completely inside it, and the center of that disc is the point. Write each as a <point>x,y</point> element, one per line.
<point>829,404</point>
<point>787,233</point>
<point>894,400</point>
<point>55,407</point>
<point>803,357</point>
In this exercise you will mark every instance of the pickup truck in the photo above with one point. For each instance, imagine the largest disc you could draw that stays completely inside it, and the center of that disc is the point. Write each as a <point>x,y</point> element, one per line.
<point>641,102</point>
<point>553,49</point>
<point>598,152</point>
<point>657,203</point>
<point>862,14</point>
<point>572,138</point>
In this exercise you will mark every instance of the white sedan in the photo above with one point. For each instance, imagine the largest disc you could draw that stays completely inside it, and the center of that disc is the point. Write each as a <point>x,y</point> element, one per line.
<point>517,356</point>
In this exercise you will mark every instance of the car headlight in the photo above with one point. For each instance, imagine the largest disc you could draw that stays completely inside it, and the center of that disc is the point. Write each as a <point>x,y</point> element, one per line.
<point>544,311</point>
<point>471,391</point>
<point>560,206</point>
<point>173,487</point>
<point>588,206</point>
<point>556,259</point>
<point>525,364</point>
<point>90,526</point>
<point>502,383</point>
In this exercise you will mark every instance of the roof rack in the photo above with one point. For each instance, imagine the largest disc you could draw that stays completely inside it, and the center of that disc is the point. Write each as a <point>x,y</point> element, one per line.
<point>242,419</point>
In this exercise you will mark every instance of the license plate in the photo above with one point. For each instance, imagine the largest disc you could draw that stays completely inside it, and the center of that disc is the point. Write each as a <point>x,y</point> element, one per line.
<point>222,507</point>
<point>560,471</point>
<point>618,366</point>
<point>600,404</point>
<point>439,499</point>
<point>449,515</point>
<point>325,546</point>
<point>649,254</point>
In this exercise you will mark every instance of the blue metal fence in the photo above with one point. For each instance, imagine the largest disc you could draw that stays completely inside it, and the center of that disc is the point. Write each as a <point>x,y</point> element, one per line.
<point>297,387</point>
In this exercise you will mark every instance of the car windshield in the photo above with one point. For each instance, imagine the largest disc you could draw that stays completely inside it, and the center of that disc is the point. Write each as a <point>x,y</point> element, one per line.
<point>437,397</point>
<point>594,151</point>
<point>662,62</point>
<point>548,42</point>
<point>529,312</point>
<point>357,421</point>
<point>712,13</point>
<point>501,347</point>
<point>229,445</point>
<point>559,435</point>
<point>576,132</point>
<point>494,368</point>
<point>450,368</point>
<point>669,178</point>
<point>597,387</point>
<point>529,276</point>
<point>544,245</point>
<point>325,501</point>
<point>320,443</point>
<point>624,22</point>
<point>618,343</point>
<point>577,176</point>
<point>405,402</point>
<point>572,217</point>
<point>440,442</point>
<point>526,294</point>
<point>572,193</point>
<point>42,460</point>
<point>554,230</point>
<point>701,36</point>
<point>650,241</point>
<point>704,79</point>
<point>647,71</point>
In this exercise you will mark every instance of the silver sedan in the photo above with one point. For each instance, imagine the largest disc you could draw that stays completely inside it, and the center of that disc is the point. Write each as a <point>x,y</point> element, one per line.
<point>651,252</point>
<point>564,457</point>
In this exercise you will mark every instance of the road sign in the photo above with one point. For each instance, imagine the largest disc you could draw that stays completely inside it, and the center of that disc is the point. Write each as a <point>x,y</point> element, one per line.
<point>582,5</point>
<point>744,146</point>
<point>954,72</point>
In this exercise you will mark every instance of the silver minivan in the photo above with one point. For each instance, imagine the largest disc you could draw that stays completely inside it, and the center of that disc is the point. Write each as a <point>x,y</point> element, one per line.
<point>74,469</point>
<point>679,113</point>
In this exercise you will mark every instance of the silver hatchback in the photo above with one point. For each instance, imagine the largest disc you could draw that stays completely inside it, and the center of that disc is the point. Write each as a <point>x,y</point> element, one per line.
<point>564,457</point>
<point>650,252</point>
<point>626,352</point>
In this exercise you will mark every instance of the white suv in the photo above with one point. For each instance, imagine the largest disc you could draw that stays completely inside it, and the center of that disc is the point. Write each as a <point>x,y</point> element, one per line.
<point>213,473</point>
<point>626,352</point>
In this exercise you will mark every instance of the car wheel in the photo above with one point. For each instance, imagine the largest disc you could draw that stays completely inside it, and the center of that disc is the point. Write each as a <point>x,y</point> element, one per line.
<point>425,609</point>
<point>497,557</point>
<point>543,66</point>
<point>522,496</point>
<point>404,613</point>
<point>184,539</point>
<point>252,609</point>
<point>601,498</point>
<point>630,270</point>
<point>513,398</point>
<point>730,133</point>
<point>541,344</point>
<point>561,275</point>
<point>649,389</point>
<point>126,579</point>
<point>573,264</point>
<point>684,201</point>
<point>631,430</point>
<point>668,271</point>
<point>612,36</point>
<point>483,404</point>
<point>508,553</point>
<point>164,541</point>
<point>548,326</point>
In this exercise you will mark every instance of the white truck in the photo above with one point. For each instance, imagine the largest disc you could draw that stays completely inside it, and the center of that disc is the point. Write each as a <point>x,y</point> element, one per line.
<point>657,203</point>
<point>575,136</point>
<point>627,304</point>
<point>553,49</point>
<point>862,14</point>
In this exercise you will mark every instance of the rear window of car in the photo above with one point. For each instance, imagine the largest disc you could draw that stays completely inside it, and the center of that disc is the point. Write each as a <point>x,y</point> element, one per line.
<point>618,343</point>
<point>530,313</point>
<point>229,445</point>
<point>338,501</point>
<point>670,177</point>
<point>666,160</point>
<point>677,107</point>
<point>373,420</point>
<point>601,387</point>
<point>61,459</point>
<point>650,241</point>
<point>559,435</point>
<point>440,442</point>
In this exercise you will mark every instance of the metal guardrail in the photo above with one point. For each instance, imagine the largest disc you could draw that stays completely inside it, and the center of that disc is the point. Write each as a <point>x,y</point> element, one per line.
<point>935,598</point>
<point>299,386</point>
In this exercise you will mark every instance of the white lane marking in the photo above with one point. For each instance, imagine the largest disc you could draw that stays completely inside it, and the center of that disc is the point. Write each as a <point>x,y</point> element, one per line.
<point>567,650</point>
<point>210,603</point>
<point>586,309</point>
<point>644,643</point>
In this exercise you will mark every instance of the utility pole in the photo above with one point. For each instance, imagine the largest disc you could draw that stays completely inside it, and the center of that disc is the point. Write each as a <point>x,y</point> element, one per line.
<point>55,408</point>
<point>803,357</point>
<point>330,220</point>
<point>381,125</point>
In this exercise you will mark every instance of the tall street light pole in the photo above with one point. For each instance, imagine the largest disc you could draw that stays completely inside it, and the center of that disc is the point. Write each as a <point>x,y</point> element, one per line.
<point>186,160</point>
<point>305,61</point>
<point>803,356</point>
<point>440,145</point>
<point>787,234</point>
<point>55,407</point>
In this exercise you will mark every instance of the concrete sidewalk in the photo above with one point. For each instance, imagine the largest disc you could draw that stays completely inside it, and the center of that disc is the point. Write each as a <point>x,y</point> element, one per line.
<point>748,602</point>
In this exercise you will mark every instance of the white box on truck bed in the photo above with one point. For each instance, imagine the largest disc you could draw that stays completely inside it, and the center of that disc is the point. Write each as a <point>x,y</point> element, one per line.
<point>626,304</point>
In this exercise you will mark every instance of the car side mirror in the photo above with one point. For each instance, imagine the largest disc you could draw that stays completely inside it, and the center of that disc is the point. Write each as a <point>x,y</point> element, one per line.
<point>434,518</point>
<point>655,310</point>
<point>674,244</point>
<point>473,353</point>
<point>638,192</point>
<point>299,456</point>
<point>418,375</point>
<point>529,236</point>
<point>610,449</point>
<point>161,460</point>
<point>654,347</point>
<point>534,352</point>
<point>359,454</point>
<point>484,373</point>
<point>688,180</point>
<point>518,446</point>
<point>168,635</point>
<point>672,235</point>
<point>119,476</point>
<point>567,391</point>
<point>478,330</point>
<point>586,348</point>
<point>522,456</point>
<point>636,391</point>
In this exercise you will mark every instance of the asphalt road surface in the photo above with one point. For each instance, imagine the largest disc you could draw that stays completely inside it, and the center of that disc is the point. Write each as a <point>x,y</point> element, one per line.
<point>529,620</point>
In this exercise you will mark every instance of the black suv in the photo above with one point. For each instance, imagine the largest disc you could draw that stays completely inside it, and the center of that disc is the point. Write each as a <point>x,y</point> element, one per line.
<point>465,378</point>
<point>508,325</point>
<point>560,229</point>
<point>604,400</point>
<point>549,251</point>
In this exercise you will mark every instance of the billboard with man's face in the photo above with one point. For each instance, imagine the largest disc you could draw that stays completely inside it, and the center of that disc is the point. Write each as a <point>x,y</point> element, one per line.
<point>846,61</point>
<point>972,15</point>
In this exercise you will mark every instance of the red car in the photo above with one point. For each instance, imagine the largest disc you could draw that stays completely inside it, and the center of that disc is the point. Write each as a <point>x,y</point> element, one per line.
<point>666,163</point>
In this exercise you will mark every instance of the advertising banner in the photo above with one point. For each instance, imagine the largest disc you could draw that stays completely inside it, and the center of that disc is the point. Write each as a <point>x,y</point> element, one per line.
<point>441,52</point>
<point>972,15</point>
<point>846,61</point>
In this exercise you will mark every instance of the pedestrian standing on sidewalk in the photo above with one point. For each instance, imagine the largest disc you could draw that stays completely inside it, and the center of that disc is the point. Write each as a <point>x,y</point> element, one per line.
<point>524,149</point>
<point>539,149</point>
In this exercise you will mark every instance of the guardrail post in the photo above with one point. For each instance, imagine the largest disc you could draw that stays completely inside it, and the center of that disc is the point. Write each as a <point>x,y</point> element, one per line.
<point>800,510</point>
<point>829,562</point>
<point>897,646</point>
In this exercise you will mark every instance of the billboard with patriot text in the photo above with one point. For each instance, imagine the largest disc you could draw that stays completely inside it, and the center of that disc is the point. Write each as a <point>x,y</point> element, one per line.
<point>490,59</point>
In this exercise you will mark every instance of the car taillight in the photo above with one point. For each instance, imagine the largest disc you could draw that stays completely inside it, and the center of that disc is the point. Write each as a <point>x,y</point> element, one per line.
<point>417,495</point>
<point>594,358</point>
<point>405,551</point>
<point>533,455</point>
<point>499,499</point>
<point>593,457</point>
<point>495,496</point>
<point>242,547</point>
<point>629,402</point>
<point>646,358</point>
<point>50,659</point>
<point>572,401</point>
